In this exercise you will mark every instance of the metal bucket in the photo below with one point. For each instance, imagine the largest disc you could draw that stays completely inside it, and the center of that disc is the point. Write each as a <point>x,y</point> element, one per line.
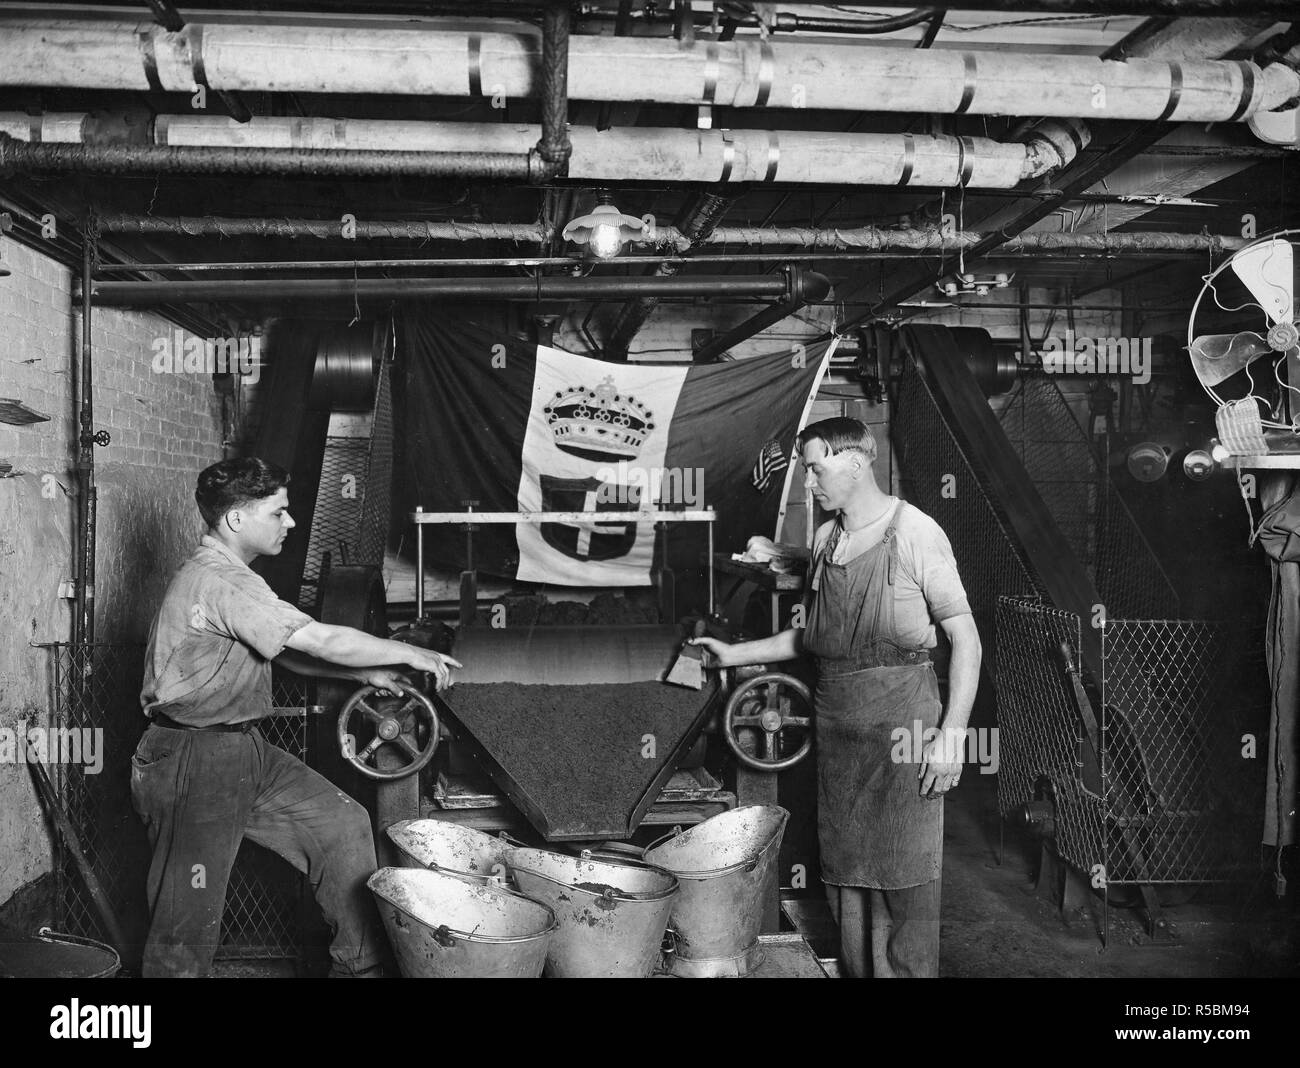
<point>55,955</point>
<point>445,847</point>
<point>727,868</point>
<point>441,926</point>
<point>612,913</point>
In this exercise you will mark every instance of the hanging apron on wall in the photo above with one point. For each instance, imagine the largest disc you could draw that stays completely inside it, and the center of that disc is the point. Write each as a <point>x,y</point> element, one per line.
<point>874,827</point>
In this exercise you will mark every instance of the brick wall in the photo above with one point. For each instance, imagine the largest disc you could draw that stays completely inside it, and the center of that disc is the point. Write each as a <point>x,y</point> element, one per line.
<point>165,428</point>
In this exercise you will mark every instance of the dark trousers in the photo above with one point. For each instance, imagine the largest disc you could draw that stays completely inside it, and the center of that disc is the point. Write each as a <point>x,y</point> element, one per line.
<point>200,793</point>
<point>887,934</point>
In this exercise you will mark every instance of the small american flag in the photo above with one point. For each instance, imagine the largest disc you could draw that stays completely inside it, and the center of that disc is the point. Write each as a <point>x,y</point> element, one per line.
<point>770,460</point>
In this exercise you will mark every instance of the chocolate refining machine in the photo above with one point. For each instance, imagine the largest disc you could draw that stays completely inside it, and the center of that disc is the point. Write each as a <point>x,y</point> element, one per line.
<point>569,734</point>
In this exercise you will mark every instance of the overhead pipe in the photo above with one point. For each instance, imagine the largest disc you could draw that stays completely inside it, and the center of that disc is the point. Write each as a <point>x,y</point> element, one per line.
<point>933,241</point>
<point>166,15</point>
<point>1279,9</point>
<point>697,221</point>
<point>22,156</point>
<point>791,286</point>
<point>1190,38</point>
<point>413,60</point>
<point>274,145</point>
<point>545,160</point>
<point>713,351</point>
<point>937,241</point>
<point>553,147</point>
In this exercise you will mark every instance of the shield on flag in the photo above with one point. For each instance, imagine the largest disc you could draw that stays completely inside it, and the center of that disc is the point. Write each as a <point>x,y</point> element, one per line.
<point>588,541</point>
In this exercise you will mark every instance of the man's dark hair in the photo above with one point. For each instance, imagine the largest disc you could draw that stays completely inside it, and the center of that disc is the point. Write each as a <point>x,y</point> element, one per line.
<point>232,483</point>
<point>839,434</point>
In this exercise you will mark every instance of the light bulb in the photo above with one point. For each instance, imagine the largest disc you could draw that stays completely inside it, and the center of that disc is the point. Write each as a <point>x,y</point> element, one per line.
<point>605,240</point>
<point>1219,453</point>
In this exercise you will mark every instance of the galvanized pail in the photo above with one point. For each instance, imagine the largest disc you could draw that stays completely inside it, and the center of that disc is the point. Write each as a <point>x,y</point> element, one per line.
<point>461,851</point>
<point>727,868</point>
<point>611,913</point>
<point>441,926</point>
<point>54,955</point>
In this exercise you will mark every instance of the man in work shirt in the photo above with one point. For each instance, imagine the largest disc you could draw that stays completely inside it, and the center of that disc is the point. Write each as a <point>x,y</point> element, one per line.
<point>203,777</point>
<point>882,574</point>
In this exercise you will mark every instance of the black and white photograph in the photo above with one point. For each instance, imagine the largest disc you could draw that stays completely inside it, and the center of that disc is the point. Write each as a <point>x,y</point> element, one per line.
<point>663,489</point>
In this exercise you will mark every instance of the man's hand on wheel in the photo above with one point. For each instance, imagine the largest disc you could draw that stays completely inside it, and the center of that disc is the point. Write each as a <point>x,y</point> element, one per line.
<point>438,665</point>
<point>385,679</point>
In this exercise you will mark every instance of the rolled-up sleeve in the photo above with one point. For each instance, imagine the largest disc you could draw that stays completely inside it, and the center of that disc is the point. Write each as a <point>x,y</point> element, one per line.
<point>249,612</point>
<point>934,569</point>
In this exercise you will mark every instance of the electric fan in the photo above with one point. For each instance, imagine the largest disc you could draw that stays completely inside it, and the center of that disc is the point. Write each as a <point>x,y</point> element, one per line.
<point>1245,372</point>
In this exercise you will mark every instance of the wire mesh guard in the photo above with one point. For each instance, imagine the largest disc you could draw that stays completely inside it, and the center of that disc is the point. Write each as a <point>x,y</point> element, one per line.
<point>1089,511</point>
<point>98,687</point>
<point>351,518</point>
<point>1163,795</point>
<point>1174,791</point>
<point>930,461</point>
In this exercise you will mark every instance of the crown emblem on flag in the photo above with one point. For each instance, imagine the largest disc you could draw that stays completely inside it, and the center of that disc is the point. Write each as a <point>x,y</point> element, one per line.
<point>598,422</point>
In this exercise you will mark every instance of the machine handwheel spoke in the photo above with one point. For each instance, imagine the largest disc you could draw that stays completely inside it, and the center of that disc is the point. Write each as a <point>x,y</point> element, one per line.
<point>400,729</point>
<point>767,703</point>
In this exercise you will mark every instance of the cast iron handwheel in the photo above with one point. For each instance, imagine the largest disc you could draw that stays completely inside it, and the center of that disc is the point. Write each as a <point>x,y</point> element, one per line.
<point>390,730</point>
<point>771,711</point>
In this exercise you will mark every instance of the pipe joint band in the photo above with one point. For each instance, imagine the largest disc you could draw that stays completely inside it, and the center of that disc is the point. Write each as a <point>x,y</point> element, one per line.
<point>728,155</point>
<point>766,72</point>
<point>148,46</point>
<point>968,74</point>
<point>1247,90</point>
<point>773,156</point>
<point>1175,91</point>
<point>474,64</point>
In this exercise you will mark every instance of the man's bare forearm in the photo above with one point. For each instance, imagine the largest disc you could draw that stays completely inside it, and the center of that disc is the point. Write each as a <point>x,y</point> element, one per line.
<point>963,676</point>
<point>351,648</point>
<point>303,664</point>
<point>772,650</point>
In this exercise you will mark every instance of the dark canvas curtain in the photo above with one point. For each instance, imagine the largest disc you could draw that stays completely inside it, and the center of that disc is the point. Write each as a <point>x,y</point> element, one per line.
<point>457,414</point>
<point>1283,639</point>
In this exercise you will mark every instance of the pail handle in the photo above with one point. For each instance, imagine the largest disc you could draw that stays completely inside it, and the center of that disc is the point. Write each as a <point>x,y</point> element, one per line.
<point>75,940</point>
<point>677,830</point>
<point>614,850</point>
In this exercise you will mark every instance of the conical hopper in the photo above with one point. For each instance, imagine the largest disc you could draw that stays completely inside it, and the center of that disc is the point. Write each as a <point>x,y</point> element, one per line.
<point>573,723</point>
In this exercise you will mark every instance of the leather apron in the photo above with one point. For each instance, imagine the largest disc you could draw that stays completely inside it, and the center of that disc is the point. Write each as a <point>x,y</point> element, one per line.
<point>874,827</point>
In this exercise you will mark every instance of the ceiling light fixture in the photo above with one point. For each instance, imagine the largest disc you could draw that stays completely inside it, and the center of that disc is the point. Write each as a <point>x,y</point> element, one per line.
<point>967,283</point>
<point>605,231</point>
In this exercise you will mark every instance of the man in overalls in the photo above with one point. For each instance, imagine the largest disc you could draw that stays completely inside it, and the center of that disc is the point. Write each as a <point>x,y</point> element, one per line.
<point>203,777</point>
<point>882,576</point>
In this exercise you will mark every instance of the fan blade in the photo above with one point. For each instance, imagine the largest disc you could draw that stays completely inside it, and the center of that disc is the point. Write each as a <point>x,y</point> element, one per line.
<point>1217,357</point>
<point>1268,271</point>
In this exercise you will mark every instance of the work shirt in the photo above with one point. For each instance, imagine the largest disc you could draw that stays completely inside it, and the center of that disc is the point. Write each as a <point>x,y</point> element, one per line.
<point>213,640</point>
<point>927,588</point>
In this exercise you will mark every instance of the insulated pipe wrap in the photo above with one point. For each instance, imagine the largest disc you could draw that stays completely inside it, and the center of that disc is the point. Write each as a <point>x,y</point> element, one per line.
<point>417,60</point>
<point>658,154</point>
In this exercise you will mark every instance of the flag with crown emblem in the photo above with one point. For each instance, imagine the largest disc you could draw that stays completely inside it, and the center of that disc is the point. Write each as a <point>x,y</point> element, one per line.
<point>501,425</point>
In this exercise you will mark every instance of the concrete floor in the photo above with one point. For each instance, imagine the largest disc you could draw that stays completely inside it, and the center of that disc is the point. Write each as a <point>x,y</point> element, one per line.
<point>995,924</point>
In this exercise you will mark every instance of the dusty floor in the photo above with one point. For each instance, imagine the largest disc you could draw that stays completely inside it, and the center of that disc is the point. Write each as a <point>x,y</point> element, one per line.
<point>996,925</point>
